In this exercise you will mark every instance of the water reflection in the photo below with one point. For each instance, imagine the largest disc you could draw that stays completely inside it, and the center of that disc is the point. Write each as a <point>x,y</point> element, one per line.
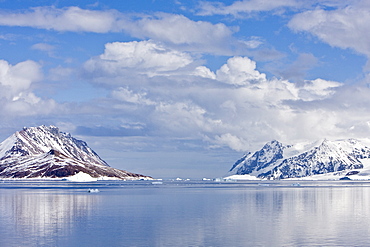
<point>41,217</point>
<point>302,216</point>
<point>182,215</point>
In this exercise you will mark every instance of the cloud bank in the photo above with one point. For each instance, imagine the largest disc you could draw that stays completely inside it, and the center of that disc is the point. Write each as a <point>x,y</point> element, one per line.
<point>246,7</point>
<point>346,27</point>
<point>172,29</point>
<point>232,107</point>
<point>72,19</point>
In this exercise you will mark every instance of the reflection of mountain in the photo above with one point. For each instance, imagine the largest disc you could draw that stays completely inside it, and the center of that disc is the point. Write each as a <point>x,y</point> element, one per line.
<point>298,216</point>
<point>45,152</point>
<point>43,214</point>
<point>212,215</point>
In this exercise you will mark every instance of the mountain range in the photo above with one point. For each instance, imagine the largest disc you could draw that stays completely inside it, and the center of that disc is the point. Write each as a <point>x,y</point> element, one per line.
<point>324,158</point>
<point>45,152</point>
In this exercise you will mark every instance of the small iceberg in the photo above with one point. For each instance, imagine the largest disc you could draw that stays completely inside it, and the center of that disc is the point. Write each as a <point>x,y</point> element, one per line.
<point>157,183</point>
<point>93,191</point>
<point>296,184</point>
<point>264,185</point>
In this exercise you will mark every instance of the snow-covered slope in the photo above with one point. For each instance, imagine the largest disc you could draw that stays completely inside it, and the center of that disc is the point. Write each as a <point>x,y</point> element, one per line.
<point>278,161</point>
<point>45,152</point>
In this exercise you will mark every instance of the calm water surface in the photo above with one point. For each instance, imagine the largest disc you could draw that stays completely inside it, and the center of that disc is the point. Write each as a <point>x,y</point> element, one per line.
<point>185,214</point>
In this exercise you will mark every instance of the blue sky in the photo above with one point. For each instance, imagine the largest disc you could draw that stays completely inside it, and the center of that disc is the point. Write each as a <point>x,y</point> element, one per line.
<point>184,88</point>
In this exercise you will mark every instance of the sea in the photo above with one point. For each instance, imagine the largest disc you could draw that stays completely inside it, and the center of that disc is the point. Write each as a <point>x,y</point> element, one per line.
<point>184,213</point>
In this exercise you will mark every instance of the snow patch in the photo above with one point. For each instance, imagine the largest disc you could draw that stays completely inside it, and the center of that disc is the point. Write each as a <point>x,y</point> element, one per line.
<point>81,177</point>
<point>7,145</point>
<point>299,148</point>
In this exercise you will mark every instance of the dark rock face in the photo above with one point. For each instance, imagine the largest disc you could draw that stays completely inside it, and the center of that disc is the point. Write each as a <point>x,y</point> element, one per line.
<point>278,161</point>
<point>45,152</point>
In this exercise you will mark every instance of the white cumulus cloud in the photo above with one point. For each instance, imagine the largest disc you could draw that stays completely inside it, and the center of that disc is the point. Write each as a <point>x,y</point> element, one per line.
<point>144,57</point>
<point>15,79</point>
<point>16,94</point>
<point>239,71</point>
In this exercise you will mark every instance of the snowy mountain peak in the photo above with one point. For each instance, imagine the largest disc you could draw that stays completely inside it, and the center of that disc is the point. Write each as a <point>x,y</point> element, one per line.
<point>270,153</point>
<point>41,139</point>
<point>272,145</point>
<point>278,161</point>
<point>44,151</point>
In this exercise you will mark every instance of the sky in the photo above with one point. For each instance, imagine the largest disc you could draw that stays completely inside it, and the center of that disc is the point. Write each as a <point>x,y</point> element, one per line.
<point>181,88</point>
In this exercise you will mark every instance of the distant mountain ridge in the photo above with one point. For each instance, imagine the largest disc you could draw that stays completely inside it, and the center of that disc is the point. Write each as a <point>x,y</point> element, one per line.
<point>45,152</point>
<point>278,161</point>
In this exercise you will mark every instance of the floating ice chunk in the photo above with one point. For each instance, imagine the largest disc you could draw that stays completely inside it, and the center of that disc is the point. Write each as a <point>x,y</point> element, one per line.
<point>157,182</point>
<point>93,190</point>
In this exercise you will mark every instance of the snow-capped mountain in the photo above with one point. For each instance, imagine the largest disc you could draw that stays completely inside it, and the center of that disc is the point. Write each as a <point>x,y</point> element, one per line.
<point>278,161</point>
<point>45,152</point>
